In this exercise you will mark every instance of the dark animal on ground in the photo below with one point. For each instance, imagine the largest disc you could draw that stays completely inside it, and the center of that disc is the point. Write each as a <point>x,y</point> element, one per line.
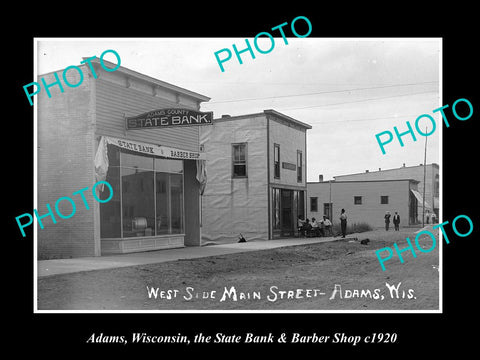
<point>241,239</point>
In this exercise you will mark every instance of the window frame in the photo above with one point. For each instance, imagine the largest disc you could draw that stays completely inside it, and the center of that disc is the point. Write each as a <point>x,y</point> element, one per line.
<point>357,200</point>
<point>382,197</point>
<point>316,203</point>
<point>276,164</point>
<point>234,176</point>
<point>125,208</point>
<point>436,185</point>
<point>299,167</point>
<point>276,209</point>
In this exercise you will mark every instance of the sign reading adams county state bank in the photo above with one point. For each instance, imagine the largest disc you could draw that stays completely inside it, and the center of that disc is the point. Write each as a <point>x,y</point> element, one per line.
<point>169,117</point>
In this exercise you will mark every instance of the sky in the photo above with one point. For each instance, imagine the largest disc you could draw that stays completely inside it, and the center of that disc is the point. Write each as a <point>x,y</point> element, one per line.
<point>347,89</point>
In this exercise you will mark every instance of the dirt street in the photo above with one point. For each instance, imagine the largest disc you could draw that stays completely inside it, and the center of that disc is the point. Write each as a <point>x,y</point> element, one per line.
<point>338,275</point>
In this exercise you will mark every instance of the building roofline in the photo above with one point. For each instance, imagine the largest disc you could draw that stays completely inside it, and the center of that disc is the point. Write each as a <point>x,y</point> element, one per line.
<point>237,117</point>
<point>359,181</point>
<point>383,170</point>
<point>143,77</point>
<point>266,112</point>
<point>287,118</point>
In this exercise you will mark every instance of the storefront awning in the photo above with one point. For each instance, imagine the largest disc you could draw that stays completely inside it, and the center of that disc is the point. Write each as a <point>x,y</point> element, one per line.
<point>420,199</point>
<point>156,150</point>
<point>101,157</point>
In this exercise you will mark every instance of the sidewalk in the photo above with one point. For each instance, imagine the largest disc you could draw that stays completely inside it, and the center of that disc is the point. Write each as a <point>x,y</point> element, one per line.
<point>64,266</point>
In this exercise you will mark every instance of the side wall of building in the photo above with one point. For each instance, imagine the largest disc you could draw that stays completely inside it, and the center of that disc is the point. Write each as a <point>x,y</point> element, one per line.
<point>231,206</point>
<point>408,172</point>
<point>370,211</point>
<point>65,151</point>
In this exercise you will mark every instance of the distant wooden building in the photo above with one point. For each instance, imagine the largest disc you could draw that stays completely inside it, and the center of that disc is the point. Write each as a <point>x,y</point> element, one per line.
<point>365,201</point>
<point>432,182</point>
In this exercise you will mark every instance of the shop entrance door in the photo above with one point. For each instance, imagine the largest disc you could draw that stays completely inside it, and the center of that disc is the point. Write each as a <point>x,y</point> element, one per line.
<point>287,206</point>
<point>287,221</point>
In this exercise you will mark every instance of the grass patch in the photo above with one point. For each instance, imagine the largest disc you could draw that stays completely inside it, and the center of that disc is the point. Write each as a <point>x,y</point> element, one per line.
<point>353,228</point>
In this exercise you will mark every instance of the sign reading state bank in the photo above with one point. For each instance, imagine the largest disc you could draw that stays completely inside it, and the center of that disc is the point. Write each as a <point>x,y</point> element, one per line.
<point>169,117</point>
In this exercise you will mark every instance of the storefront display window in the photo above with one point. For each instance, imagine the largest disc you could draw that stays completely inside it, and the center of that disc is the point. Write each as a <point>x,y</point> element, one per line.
<point>276,209</point>
<point>150,196</point>
<point>169,196</point>
<point>138,209</point>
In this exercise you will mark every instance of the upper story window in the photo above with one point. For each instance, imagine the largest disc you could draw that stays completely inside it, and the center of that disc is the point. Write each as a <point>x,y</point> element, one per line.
<point>276,161</point>
<point>239,160</point>
<point>299,166</point>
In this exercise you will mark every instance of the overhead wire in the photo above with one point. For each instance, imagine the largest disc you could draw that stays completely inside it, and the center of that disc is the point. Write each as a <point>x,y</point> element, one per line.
<point>358,101</point>
<point>363,119</point>
<point>347,102</point>
<point>320,92</point>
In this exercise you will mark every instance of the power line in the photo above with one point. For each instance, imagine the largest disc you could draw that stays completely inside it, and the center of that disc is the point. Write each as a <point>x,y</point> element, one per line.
<point>363,119</point>
<point>304,83</point>
<point>357,101</point>
<point>320,93</point>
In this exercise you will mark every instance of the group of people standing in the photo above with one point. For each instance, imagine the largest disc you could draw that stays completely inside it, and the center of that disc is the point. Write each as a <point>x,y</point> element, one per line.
<point>324,227</point>
<point>396,220</point>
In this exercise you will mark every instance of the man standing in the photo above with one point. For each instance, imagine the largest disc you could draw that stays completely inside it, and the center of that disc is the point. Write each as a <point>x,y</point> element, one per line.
<point>396,221</point>
<point>327,225</point>
<point>343,222</point>
<point>387,220</point>
<point>300,224</point>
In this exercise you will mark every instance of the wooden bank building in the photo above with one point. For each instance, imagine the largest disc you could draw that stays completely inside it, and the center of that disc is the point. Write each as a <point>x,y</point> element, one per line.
<point>142,136</point>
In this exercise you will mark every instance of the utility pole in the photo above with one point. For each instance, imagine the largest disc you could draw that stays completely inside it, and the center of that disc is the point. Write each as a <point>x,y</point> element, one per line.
<point>424,177</point>
<point>330,215</point>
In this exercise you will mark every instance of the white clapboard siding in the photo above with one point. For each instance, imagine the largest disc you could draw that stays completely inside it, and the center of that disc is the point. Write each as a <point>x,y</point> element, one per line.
<point>114,101</point>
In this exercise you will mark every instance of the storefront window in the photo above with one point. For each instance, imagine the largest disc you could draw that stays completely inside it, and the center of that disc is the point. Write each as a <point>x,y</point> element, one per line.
<point>301,203</point>
<point>176,191</point>
<point>169,196</point>
<point>137,195</point>
<point>163,199</point>
<point>276,208</point>
<point>150,196</point>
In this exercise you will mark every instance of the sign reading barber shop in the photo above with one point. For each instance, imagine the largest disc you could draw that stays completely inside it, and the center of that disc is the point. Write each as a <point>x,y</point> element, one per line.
<point>168,118</point>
